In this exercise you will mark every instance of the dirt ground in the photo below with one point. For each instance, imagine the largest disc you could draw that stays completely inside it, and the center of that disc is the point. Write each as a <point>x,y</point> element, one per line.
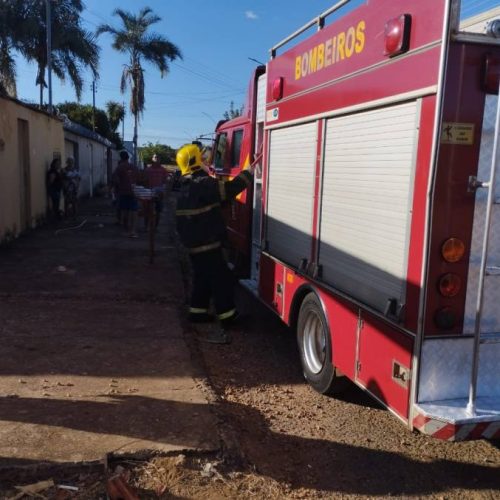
<point>315,446</point>
<point>279,439</point>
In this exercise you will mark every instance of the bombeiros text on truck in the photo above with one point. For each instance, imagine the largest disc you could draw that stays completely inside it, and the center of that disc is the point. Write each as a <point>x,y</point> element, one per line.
<point>373,226</point>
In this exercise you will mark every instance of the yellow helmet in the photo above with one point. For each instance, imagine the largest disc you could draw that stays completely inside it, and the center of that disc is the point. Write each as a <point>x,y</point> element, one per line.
<point>189,158</point>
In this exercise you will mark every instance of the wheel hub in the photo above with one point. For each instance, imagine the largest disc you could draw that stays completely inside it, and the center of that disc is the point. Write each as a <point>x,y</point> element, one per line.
<point>314,342</point>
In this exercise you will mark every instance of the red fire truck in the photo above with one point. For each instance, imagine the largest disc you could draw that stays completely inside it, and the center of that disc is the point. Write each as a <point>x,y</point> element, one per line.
<point>373,226</point>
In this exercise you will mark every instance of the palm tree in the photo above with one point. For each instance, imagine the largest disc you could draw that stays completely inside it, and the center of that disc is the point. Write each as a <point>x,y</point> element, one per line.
<point>8,40</point>
<point>23,28</point>
<point>73,47</point>
<point>7,69</point>
<point>134,39</point>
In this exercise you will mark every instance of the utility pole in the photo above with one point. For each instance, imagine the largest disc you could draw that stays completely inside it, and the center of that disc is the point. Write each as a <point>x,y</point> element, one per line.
<point>93,105</point>
<point>48,16</point>
<point>134,139</point>
<point>123,122</point>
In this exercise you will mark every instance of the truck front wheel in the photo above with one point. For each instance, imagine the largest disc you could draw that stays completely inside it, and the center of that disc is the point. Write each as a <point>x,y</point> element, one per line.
<point>315,345</point>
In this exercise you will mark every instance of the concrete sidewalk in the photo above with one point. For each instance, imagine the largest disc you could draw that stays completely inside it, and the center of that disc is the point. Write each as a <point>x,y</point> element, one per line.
<point>94,358</point>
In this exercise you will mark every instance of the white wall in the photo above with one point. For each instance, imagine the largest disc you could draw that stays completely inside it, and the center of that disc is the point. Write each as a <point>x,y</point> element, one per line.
<point>90,156</point>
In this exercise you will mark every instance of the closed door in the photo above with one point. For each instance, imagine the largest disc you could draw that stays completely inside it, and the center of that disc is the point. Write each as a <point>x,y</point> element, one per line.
<point>24,173</point>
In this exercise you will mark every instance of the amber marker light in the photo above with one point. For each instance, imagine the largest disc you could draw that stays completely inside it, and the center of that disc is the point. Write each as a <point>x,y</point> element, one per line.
<point>453,250</point>
<point>449,285</point>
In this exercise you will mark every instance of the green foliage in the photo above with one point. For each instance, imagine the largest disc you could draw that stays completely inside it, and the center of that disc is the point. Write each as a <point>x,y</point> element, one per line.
<point>116,113</point>
<point>166,154</point>
<point>82,114</point>
<point>116,139</point>
<point>24,30</point>
<point>232,112</point>
<point>7,44</point>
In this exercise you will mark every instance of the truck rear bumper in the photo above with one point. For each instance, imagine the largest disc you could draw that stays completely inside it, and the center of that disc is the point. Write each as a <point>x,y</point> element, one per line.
<point>449,419</point>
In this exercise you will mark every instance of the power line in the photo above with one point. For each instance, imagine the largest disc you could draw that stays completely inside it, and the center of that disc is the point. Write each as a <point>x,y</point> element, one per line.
<point>89,21</point>
<point>193,101</point>
<point>187,100</point>
<point>201,75</point>
<point>107,21</point>
<point>108,87</point>
<point>212,70</point>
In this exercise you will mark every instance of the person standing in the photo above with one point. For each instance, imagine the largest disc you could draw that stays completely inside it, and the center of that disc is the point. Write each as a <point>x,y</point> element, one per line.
<point>202,230</point>
<point>124,178</point>
<point>54,186</point>
<point>155,179</point>
<point>71,183</point>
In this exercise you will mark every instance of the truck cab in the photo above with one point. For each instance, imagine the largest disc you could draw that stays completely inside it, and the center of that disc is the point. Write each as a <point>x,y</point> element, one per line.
<point>236,142</point>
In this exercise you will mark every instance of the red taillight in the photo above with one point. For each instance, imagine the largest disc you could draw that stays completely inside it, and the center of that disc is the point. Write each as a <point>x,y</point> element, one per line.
<point>397,35</point>
<point>453,250</point>
<point>445,318</point>
<point>278,88</point>
<point>449,285</point>
<point>492,75</point>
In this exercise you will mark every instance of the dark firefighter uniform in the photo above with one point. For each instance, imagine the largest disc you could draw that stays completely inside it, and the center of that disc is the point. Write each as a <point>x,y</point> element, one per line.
<point>202,230</point>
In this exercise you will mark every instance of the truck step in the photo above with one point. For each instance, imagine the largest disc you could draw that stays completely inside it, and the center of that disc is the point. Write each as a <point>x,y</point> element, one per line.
<point>250,285</point>
<point>450,420</point>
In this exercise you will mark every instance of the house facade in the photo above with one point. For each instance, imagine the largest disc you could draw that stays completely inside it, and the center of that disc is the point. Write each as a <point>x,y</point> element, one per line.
<point>29,140</point>
<point>95,156</point>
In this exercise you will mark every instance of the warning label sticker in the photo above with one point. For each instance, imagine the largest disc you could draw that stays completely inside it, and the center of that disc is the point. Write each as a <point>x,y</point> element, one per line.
<point>457,133</point>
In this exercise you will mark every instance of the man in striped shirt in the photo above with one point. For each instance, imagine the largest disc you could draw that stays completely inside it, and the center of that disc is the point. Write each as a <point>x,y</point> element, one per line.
<point>156,178</point>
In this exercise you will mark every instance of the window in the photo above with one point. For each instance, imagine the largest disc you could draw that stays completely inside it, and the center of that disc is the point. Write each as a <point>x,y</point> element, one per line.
<point>220,151</point>
<point>236,148</point>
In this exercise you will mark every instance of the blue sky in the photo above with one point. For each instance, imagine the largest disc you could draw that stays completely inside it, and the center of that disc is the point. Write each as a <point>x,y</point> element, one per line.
<point>216,39</point>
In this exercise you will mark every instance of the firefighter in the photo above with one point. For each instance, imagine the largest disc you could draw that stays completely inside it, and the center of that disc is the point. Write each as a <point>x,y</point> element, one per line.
<point>202,231</point>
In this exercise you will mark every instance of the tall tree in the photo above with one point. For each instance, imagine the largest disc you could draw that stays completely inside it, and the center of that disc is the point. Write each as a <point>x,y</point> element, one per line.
<point>232,112</point>
<point>73,47</point>
<point>116,113</point>
<point>86,115</point>
<point>8,40</point>
<point>135,39</point>
<point>166,154</point>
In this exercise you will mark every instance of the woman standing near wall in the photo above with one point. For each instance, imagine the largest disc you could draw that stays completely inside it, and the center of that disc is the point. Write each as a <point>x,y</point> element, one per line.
<point>54,186</point>
<point>71,181</point>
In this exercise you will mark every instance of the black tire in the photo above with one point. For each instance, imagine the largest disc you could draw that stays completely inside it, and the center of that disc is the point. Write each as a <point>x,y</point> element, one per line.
<point>315,346</point>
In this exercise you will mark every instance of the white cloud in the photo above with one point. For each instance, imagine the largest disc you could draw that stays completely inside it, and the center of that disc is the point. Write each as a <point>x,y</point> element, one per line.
<point>250,14</point>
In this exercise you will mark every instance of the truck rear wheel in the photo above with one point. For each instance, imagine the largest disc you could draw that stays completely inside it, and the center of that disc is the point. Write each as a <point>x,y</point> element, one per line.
<point>313,337</point>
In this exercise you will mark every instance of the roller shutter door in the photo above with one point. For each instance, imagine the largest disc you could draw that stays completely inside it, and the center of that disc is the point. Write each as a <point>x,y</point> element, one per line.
<point>290,192</point>
<point>366,203</point>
